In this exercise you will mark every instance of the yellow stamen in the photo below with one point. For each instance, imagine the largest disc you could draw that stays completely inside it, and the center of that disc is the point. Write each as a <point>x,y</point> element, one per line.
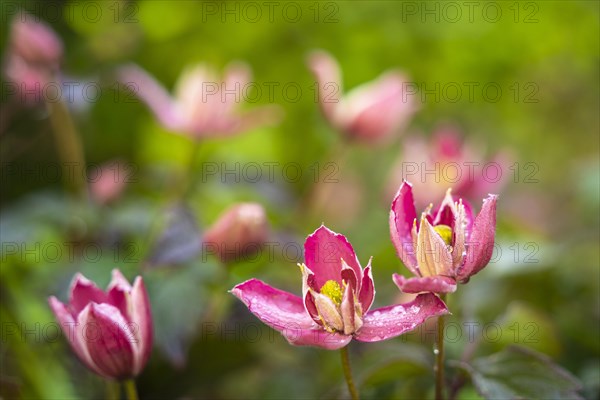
<point>445,233</point>
<point>333,290</point>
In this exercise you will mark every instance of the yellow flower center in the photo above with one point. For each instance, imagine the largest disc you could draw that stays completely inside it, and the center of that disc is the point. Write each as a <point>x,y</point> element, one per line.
<point>333,290</point>
<point>445,233</point>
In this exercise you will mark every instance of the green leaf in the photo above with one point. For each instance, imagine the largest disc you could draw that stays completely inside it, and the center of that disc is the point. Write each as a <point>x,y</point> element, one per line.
<point>521,373</point>
<point>180,298</point>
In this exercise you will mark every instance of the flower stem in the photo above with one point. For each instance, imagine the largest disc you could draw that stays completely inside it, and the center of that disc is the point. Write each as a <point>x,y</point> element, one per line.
<point>348,373</point>
<point>112,390</point>
<point>439,359</point>
<point>187,179</point>
<point>130,389</point>
<point>69,146</point>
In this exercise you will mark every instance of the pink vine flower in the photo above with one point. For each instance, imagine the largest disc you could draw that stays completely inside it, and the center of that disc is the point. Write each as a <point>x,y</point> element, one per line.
<point>448,159</point>
<point>371,113</point>
<point>446,247</point>
<point>204,104</point>
<point>110,332</point>
<point>337,294</point>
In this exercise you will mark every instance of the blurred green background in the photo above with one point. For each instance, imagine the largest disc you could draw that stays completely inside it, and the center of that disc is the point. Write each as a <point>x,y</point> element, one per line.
<point>543,55</point>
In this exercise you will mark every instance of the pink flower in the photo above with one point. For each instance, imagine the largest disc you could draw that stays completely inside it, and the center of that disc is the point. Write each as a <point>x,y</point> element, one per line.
<point>109,181</point>
<point>33,58</point>
<point>336,297</point>
<point>447,246</point>
<point>241,230</point>
<point>448,160</point>
<point>34,41</point>
<point>371,113</point>
<point>111,332</point>
<point>205,105</point>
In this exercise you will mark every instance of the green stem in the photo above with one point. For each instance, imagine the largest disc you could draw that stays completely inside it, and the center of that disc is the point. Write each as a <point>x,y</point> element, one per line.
<point>348,373</point>
<point>130,389</point>
<point>68,146</point>
<point>187,179</point>
<point>439,359</point>
<point>113,390</point>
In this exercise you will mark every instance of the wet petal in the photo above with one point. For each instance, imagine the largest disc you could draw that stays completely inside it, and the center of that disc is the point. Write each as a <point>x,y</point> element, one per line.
<point>285,313</point>
<point>323,252</point>
<point>388,322</point>
<point>274,307</point>
<point>435,284</point>
<point>459,237</point>
<point>402,217</point>
<point>480,244</point>
<point>317,337</point>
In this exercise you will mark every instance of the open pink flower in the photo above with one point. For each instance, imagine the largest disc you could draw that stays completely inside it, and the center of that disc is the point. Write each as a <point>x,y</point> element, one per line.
<point>336,297</point>
<point>204,105</point>
<point>371,113</point>
<point>111,332</point>
<point>448,160</point>
<point>447,246</point>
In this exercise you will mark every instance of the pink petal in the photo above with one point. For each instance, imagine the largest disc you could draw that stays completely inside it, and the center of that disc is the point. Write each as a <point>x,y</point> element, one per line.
<point>152,93</point>
<point>83,292</point>
<point>347,310</point>
<point>308,284</point>
<point>109,340</point>
<point>142,324</point>
<point>432,252</point>
<point>233,124</point>
<point>446,213</point>
<point>285,313</point>
<point>72,331</point>
<point>119,291</point>
<point>323,252</point>
<point>469,218</point>
<point>435,284</point>
<point>327,71</point>
<point>316,337</point>
<point>391,321</point>
<point>349,276</point>
<point>402,217</point>
<point>367,290</point>
<point>480,244</point>
<point>377,109</point>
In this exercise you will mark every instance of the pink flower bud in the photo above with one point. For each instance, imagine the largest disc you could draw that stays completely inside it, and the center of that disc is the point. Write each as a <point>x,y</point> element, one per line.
<point>34,41</point>
<point>240,231</point>
<point>111,332</point>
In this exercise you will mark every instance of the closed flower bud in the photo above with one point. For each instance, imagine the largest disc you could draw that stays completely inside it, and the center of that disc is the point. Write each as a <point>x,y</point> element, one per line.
<point>240,231</point>
<point>34,41</point>
<point>111,332</point>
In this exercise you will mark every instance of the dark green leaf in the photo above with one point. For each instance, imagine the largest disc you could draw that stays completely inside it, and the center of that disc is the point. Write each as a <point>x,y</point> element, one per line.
<point>521,373</point>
